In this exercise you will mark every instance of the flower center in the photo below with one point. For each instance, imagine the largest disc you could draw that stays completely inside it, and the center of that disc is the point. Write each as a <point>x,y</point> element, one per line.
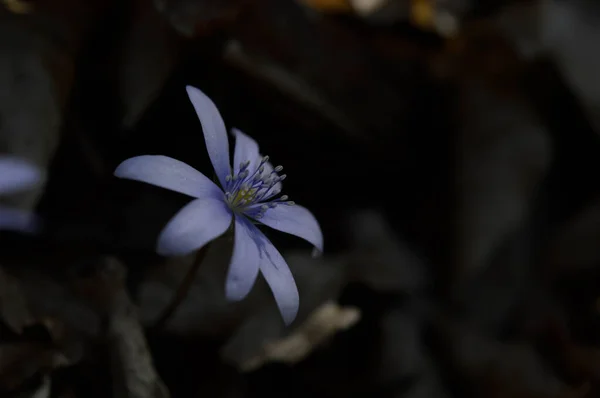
<point>243,196</point>
<point>253,193</point>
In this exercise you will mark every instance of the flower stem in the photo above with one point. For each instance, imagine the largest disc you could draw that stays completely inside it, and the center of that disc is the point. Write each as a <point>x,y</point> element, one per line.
<point>182,291</point>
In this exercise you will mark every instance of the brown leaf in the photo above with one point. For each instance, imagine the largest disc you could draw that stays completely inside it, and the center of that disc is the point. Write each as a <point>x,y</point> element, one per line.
<point>191,18</point>
<point>323,65</point>
<point>575,246</point>
<point>18,6</point>
<point>494,385</point>
<point>503,149</point>
<point>131,362</point>
<point>329,5</point>
<point>145,68</point>
<point>20,361</point>
<point>322,324</point>
<point>13,304</point>
<point>23,359</point>
<point>583,362</point>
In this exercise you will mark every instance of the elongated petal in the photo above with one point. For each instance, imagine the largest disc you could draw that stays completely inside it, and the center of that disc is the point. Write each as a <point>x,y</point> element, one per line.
<point>246,149</point>
<point>279,277</point>
<point>245,261</point>
<point>17,174</point>
<point>215,134</point>
<point>19,220</point>
<point>295,220</point>
<point>196,224</point>
<point>169,173</point>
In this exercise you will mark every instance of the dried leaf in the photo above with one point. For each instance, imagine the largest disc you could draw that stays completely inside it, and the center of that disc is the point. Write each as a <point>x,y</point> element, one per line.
<point>319,327</point>
<point>18,6</point>
<point>13,304</point>
<point>503,149</point>
<point>568,30</point>
<point>329,5</point>
<point>144,68</point>
<point>507,369</point>
<point>422,13</point>
<point>318,62</point>
<point>132,366</point>
<point>44,389</point>
<point>191,18</point>
<point>575,247</point>
<point>583,361</point>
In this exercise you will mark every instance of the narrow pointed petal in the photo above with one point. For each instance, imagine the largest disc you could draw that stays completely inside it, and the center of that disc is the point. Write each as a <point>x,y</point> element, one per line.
<point>279,277</point>
<point>19,220</point>
<point>295,220</point>
<point>215,134</point>
<point>246,149</point>
<point>168,173</point>
<point>245,261</point>
<point>17,174</point>
<point>196,224</point>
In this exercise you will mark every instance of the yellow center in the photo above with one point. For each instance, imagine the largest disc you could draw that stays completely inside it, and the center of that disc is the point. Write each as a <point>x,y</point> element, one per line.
<point>243,197</point>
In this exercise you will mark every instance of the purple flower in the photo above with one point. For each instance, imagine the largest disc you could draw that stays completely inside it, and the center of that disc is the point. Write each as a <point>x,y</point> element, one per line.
<point>248,193</point>
<point>17,175</point>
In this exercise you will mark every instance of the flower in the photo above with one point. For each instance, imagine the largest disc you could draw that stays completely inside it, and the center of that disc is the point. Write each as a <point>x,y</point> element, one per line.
<point>248,193</point>
<point>17,175</point>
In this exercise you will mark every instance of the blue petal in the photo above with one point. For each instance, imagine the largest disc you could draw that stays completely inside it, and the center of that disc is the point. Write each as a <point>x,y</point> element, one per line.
<point>246,149</point>
<point>215,134</point>
<point>196,224</point>
<point>17,174</point>
<point>295,220</point>
<point>245,261</point>
<point>18,220</point>
<point>168,173</point>
<point>278,276</point>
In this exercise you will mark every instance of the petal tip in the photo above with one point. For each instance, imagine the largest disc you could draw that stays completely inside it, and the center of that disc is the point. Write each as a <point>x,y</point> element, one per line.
<point>119,169</point>
<point>289,315</point>
<point>124,169</point>
<point>18,174</point>
<point>193,227</point>
<point>317,252</point>
<point>237,289</point>
<point>195,94</point>
<point>232,292</point>
<point>213,128</point>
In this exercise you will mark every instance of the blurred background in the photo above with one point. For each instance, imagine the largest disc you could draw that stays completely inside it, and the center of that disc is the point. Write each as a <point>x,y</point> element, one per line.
<point>449,148</point>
